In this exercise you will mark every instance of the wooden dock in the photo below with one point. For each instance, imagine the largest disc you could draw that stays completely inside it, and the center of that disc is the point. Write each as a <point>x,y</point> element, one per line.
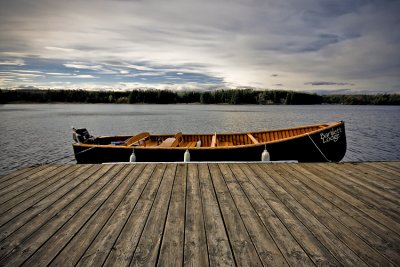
<point>211,214</point>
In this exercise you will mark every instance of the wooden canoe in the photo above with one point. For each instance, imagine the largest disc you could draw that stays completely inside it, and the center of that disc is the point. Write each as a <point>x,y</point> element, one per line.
<point>314,143</point>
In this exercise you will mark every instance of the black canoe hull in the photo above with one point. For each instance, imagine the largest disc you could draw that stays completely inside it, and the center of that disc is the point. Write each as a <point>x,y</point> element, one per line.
<point>327,145</point>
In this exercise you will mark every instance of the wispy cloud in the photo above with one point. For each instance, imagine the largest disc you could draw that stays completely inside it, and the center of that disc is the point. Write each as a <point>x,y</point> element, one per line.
<point>12,62</point>
<point>328,83</point>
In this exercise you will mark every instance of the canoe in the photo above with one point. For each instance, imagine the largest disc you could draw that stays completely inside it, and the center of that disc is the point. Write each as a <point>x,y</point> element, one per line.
<point>314,143</point>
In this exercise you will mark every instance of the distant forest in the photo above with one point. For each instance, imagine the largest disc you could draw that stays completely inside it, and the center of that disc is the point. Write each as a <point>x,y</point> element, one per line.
<point>230,96</point>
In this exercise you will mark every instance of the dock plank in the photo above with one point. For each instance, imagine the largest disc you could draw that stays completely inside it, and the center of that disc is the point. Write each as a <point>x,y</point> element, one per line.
<point>329,180</point>
<point>100,248</point>
<point>201,214</point>
<point>219,247</point>
<point>99,203</point>
<point>149,244</point>
<point>266,248</point>
<point>127,240</point>
<point>382,171</point>
<point>348,206</point>
<point>195,250</point>
<point>42,230</point>
<point>351,184</point>
<point>26,180</point>
<point>37,204</point>
<point>243,248</point>
<point>314,248</point>
<point>44,204</point>
<point>327,238</point>
<point>19,195</point>
<point>4,178</point>
<point>171,252</point>
<point>26,174</point>
<point>73,251</point>
<point>374,240</point>
<point>348,237</point>
<point>287,244</point>
<point>373,180</point>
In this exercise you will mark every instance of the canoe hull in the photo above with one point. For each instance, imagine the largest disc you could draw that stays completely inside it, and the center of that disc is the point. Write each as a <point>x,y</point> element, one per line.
<point>322,146</point>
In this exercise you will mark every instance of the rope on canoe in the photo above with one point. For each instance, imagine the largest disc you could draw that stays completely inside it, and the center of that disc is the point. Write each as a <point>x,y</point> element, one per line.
<point>320,151</point>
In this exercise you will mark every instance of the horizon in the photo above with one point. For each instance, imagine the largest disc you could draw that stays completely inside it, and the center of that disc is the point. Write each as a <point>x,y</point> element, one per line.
<point>304,45</point>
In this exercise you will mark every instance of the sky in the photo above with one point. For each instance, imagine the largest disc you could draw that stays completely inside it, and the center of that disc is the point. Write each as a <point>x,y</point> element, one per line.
<point>302,45</point>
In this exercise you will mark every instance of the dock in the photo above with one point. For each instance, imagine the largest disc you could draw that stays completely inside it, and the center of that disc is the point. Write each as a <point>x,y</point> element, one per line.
<point>202,214</point>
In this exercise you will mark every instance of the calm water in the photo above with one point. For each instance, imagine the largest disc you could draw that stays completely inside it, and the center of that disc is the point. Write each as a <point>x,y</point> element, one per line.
<point>35,134</point>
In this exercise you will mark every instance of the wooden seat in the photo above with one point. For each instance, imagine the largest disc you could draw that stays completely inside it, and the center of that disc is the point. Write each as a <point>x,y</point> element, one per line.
<point>137,138</point>
<point>167,142</point>
<point>172,141</point>
<point>178,139</point>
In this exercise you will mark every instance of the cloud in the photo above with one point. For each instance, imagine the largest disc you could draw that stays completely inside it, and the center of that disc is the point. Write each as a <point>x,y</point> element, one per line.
<point>328,83</point>
<point>230,43</point>
<point>83,66</point>
<point>12,62</point>
<point>82,77</point>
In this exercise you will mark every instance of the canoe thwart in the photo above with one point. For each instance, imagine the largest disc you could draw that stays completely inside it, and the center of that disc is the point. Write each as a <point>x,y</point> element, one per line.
<point>252,138</point>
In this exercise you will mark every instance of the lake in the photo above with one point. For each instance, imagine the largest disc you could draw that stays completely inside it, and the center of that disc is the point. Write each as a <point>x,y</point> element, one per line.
<point>41,133</point>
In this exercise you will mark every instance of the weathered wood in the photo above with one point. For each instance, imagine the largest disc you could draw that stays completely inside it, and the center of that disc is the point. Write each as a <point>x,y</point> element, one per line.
<point>327,238</point>
<point>243,249</point>
<point>363,250</point>
<point>358,200</point>
<point>192,214</point>
<point>20,175</point>
<point>15,173</point>
<point>83,222</point>
<point>291,250</point>
<point>171,252</point>
<point>99,249</point>
<point>125,245</point>
<point>389,165</point>
<point>318,253</point>
<point>374,179</point>
<point>27,179</point>
<point>348,205</point>
<point>19,195</point>
<point>28,210</point>
<point>349,184</point>
<point>219,247</point>
<point>195,250</point>
<point>41,228</point>
<point>266,248</point>
<point>382,171</point>
<point>73,251</point>
<point>149,244</point>
<point>369,180</point>
<point>386,246</point>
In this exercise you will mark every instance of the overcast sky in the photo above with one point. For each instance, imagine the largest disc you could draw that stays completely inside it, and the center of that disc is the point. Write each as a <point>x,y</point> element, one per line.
<point>308,45</point>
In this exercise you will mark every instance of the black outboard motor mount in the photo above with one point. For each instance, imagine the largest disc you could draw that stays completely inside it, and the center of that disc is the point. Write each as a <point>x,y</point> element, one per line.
<point>82,135</point>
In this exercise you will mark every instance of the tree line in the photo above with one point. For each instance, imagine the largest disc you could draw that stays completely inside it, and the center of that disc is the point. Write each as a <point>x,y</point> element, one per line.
<point>230,96</point>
